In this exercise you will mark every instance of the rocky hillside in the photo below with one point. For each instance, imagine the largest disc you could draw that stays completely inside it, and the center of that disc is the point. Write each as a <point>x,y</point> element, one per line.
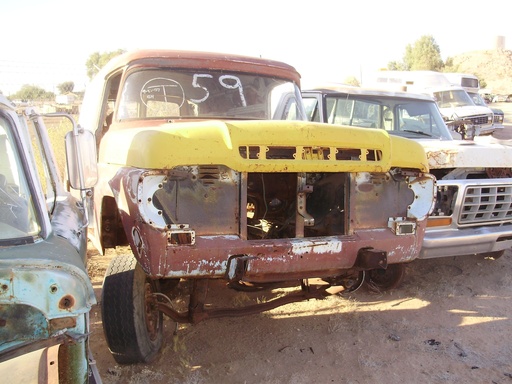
<point>492,66</point>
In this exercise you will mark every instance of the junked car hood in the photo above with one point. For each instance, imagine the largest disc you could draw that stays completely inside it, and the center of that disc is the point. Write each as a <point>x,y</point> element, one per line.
<point>466,111</point>
<point>482,153</point>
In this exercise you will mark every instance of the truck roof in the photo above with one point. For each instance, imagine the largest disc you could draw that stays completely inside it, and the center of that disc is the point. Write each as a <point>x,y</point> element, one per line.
<point>201,60</point>
<point>365,91</point>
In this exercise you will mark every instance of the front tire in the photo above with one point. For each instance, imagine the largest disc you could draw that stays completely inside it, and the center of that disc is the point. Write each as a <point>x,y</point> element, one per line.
<point>386,279</point>
<point>494,255</point>
<point>132,325</point>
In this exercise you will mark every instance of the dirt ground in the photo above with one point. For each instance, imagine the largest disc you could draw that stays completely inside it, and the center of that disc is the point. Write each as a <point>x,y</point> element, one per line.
<point>449,322</point>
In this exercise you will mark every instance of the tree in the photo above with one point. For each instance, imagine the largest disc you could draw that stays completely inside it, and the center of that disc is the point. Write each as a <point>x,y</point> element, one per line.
<point>396,66</point>
<point>351,80</point>
<point>423,55</point>
<point>66,87</point>
<point>32,92</point>
<point>449,65</point>
<point>97,60</point>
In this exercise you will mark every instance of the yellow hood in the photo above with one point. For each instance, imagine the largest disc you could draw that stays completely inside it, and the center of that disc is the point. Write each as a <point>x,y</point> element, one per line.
<point>260,146</point>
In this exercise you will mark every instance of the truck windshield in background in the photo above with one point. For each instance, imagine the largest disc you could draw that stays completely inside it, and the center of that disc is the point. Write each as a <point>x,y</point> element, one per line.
<point>457,108</point>
<point>453,98</point>
<point>407,118</point>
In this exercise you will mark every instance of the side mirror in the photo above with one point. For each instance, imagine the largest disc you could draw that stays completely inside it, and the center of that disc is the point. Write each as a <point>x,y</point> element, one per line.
<point>81,158</point>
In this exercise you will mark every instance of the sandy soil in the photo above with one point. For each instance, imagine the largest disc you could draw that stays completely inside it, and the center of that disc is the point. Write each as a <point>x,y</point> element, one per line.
<point>449,322</point>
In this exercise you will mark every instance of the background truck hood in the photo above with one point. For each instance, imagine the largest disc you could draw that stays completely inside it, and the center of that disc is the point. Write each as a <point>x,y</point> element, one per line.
<point>482,153</point>
<point>167,145</point>
<point>465,111</point>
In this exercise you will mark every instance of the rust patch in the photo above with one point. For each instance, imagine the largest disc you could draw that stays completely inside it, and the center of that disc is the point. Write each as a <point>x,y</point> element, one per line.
<point>67,302</point>
<point>62,323</point>
<point>365,187</point>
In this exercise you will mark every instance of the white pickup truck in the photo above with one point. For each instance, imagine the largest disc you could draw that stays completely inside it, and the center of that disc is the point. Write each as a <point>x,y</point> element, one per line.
<point>473,211</point>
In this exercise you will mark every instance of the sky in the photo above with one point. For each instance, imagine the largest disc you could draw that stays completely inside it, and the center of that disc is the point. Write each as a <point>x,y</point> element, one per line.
<point>47,42</point>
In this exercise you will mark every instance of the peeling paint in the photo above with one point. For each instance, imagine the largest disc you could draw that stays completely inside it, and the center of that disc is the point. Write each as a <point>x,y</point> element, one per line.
<point>305,247</point>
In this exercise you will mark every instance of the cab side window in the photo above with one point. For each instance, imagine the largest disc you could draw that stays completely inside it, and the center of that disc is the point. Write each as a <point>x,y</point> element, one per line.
<point>311,106</point>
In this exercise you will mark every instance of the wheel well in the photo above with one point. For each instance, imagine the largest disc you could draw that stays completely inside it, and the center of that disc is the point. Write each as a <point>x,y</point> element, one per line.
<point>112,231</point>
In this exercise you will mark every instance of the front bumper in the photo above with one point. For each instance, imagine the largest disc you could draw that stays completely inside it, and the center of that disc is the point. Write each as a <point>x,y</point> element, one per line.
<point>267,260</point>
<point>481,220</point>
<point>456,242</point>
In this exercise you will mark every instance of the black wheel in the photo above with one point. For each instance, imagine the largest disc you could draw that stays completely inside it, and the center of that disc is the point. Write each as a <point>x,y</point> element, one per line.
<point>353,283</point>
<point>494,255</point>
<point>384,279</point>
<point>132,324</point>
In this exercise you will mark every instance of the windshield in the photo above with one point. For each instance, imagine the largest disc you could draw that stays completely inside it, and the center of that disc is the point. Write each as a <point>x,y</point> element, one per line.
<point>407,118</point>
<point>17,213</point>
<point>166,93</point>
<point>453,98</point>
<point>477,99</point>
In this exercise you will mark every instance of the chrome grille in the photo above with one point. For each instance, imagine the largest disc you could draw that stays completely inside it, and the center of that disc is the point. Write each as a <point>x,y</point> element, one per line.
<point>486,204</point>
<point>498,118</point>
<point>479,120</point>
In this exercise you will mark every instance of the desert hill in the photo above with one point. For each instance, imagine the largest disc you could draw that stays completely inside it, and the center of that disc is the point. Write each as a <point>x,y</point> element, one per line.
<point>492,66</point>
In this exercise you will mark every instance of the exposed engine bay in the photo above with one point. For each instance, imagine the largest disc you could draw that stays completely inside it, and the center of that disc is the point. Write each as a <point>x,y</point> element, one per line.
<point>273,201</point>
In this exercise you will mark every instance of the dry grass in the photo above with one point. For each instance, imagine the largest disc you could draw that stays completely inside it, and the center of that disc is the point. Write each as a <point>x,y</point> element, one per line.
<point>57,128</point>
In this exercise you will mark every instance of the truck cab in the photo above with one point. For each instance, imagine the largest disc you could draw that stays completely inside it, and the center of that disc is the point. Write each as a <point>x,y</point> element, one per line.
<point>473,211</point>
<point>45,291</point>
